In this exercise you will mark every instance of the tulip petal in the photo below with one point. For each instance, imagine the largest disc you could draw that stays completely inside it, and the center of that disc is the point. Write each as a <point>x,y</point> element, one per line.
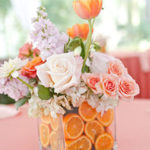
<point>81,10</point>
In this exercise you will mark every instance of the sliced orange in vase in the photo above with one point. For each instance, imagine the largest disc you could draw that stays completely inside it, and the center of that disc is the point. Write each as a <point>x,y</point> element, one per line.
<point>54,140</point>
<point>73,126</point>
<point>93,129</point>
<point>104,142</point>
<point>107,118</point>
<point>48,119</point>
<point>45,118</point>
<point>44,134</point>
<point>82,143</point>
<point>86,112</point>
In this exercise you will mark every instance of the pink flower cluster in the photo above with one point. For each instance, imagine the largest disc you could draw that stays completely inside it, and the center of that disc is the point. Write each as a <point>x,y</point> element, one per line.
<point>27,51</point>
<point>13,88</point>
<point>114,83</point>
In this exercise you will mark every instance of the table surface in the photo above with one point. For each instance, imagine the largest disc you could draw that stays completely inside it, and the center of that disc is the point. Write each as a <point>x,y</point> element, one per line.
<point>133,128</point>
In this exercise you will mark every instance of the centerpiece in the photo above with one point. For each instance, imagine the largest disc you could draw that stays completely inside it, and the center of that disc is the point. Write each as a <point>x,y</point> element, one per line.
<point>69,85</point>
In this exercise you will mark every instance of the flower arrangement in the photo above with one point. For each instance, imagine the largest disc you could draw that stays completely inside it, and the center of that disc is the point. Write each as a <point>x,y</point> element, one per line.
<point>62,71</point>
<point>56,72</point>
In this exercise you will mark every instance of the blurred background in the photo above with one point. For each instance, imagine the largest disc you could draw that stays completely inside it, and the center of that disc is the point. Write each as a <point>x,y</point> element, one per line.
<point>124,23</point>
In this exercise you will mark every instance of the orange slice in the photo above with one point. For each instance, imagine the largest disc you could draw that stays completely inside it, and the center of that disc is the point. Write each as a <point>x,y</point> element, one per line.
<point>45,119</point>
<point>93,129</point>
<point>44,134</point>
<point>54,140</point>
<point>54,122</point>
<point>82,143</point>
<point>107,118</point>
<point>86,112</point>
<point>73,126</point>
<point>104,142</point>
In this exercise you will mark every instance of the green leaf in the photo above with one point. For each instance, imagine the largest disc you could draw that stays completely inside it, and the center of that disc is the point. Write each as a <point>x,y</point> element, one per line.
<point>96,46</point>
<point>85,69</point>
<point>44,93</point>
<point>5,99</point>
<point>21,102</point>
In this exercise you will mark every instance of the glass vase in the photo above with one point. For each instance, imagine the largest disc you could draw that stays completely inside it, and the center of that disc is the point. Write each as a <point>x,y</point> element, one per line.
<point>79,129</point>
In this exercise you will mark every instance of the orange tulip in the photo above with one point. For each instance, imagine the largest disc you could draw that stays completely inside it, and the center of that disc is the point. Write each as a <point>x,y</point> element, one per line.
<point>87,9</point>
<point>79,30</point>
<point>29,69</point>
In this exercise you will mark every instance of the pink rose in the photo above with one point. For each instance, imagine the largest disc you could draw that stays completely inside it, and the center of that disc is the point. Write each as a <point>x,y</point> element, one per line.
<point>128,88</point>
<point>92,80</point>
<point>27,51</point>
<point>116,68</point>
<point>109,85</point>
<point>61,71</point>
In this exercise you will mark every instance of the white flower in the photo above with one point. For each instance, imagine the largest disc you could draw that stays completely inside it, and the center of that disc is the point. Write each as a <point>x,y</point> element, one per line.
<point>61,71</point>
<point>11,67</point>
<point>100,62</point>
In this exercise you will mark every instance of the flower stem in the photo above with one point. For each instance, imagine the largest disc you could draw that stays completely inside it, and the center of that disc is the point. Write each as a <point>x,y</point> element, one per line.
<point>88,44</point>
<point>28,85</point>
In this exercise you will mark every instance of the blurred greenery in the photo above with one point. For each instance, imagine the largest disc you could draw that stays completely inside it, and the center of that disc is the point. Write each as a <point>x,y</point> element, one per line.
<point>4,99</point>
<point>61,13</point>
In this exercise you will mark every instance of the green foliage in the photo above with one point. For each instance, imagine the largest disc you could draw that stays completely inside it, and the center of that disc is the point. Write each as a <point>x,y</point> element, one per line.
<point>44,93</point>
<point>4,99</point>
<point>73,44</point>
<point>22,101</point>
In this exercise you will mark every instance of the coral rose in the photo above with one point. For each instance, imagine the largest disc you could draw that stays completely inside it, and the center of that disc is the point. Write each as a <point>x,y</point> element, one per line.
<point>79,30</point>
<point>128,88</point>
<point>116,68</point>
<point>61,71</point>
<point>27,51</point>
<point>87,9</point>
<point>92,80</point>
<point>109,85</point>
<point>29,69</point>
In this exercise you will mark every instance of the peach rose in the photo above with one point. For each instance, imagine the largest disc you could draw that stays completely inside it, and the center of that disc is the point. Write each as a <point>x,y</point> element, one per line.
<point>61,71</point>
<point>92,80</point>
<point>128,88</point>
<point>29,69</point>
<point>109,85</point>
<point>116,68</point>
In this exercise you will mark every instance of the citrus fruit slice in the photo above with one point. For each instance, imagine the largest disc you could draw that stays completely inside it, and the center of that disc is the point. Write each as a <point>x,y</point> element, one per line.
<point>104,142</point>
<point>82,143</point>
<point>54,122</point>
<point>44,134</point>
<point>73,126</point>
<point>107,118</point>
<point>54,140</point>
<point>86,112</point>
<point>93,129</point>
<point>46,119</point>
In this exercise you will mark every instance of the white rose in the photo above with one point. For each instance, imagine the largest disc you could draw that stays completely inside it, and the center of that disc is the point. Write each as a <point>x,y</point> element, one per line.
<point>100,62</point>
<point>61,71</point>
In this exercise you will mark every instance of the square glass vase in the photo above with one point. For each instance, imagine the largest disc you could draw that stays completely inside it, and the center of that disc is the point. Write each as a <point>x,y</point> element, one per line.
<point>81,128</point>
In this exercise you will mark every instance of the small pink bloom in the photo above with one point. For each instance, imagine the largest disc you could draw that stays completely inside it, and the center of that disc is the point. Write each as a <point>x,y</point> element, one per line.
<point>92,81</point>
<point>27,51</point>
<point>36,52</point>
<point>116,68</point>
<point>109,85</point>
<point>128,88</point>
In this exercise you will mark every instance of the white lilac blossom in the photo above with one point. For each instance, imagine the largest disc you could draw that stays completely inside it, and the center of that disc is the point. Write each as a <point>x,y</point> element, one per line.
<point>46,37</point>
<point>13,88</point>
<point>11,67</point>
